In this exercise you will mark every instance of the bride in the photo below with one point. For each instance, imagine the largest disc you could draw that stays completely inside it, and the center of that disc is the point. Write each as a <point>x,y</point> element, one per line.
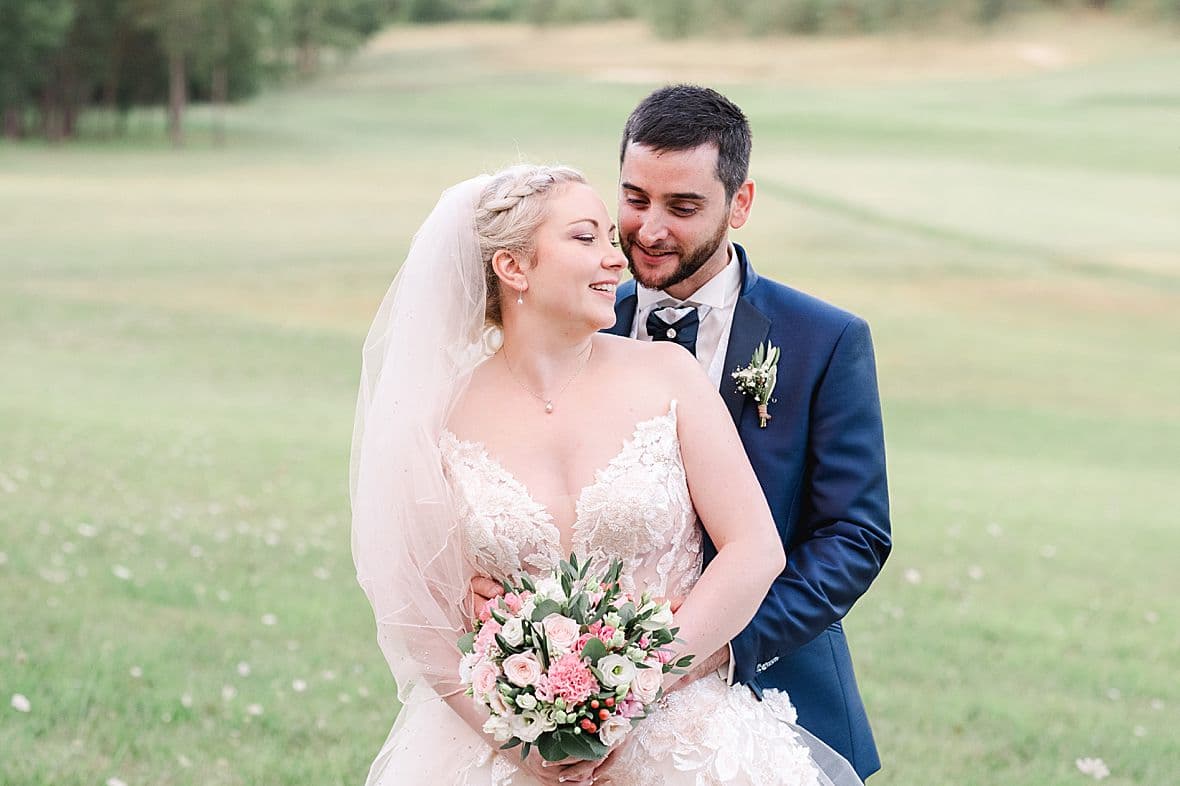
<point>498,431</point>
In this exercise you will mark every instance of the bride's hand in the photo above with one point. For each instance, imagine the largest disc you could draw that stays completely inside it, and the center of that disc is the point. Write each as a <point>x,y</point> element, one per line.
<point>554,773</point>
<point>482,590</point>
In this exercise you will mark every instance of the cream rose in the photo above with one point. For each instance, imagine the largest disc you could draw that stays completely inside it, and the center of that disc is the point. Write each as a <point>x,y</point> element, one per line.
<point>616,670</point>
<point>646,685</point>
<point>562,632</point>
<point>513,632</point>
<point>522,669</point>
<point>613,729</point>
<point>483,677</point>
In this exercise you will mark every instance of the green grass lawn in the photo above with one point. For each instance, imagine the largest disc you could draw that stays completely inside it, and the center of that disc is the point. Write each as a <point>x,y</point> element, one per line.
<point>179,346</point>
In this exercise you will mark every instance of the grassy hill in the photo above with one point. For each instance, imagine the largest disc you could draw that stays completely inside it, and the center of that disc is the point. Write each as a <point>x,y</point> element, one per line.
<point>179,345</point>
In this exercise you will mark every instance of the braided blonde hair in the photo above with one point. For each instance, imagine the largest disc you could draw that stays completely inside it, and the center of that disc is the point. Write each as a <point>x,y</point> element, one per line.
<point>510,209</point>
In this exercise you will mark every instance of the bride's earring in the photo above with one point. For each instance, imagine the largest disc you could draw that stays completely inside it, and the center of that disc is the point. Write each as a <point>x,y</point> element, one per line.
<point>520,297</point>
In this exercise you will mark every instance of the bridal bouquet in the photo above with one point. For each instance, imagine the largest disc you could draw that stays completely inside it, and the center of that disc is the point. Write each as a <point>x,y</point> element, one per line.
<point>568,663</point>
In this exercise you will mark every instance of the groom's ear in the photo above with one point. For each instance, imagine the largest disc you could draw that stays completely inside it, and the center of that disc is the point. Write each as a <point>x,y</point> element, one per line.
<point>739,206</point>
<point>510,269</point>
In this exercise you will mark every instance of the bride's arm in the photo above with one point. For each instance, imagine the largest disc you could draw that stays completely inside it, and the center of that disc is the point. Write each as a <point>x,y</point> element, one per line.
<point>733,511</point>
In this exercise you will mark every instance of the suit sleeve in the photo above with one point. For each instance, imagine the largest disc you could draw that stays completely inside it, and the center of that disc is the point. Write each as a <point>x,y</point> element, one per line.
<point>844,513</point>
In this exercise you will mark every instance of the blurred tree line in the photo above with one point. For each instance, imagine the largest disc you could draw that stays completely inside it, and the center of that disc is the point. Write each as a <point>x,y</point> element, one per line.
<point>61,57</point>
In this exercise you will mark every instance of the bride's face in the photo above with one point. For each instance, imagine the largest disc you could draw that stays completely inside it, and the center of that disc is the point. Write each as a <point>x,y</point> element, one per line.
<point>577,262</point>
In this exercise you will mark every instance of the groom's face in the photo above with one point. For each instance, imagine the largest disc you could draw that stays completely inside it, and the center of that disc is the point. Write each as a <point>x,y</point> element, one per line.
<point>673,217</point>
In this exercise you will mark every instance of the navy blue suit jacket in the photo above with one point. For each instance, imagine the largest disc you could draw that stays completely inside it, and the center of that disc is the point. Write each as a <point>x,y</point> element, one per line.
<point>821,463</point>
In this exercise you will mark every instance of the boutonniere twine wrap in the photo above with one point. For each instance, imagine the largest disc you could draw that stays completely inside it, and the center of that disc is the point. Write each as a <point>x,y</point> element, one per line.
<point>757,379</point>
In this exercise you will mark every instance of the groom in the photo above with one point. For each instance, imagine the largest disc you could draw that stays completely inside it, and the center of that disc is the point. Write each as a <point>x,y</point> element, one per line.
<point>820,458</point>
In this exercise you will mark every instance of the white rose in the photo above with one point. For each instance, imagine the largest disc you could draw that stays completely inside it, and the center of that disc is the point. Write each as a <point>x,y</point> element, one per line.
<point>646,684</point>
<point>530,724</point>
<point>613,729</point>
<point>522,669</point>
<point>662,618</point>
<point>526,608</point>
<point>550,588</point>
<point>526,701</point>
<point>616,670</point>
<point>562,632</point>
<point>499,727</point>
<point>483,677</point>
<point>513,632</point>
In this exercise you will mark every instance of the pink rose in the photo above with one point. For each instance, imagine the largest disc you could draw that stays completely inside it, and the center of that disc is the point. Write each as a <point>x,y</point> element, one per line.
<point>562,632</point>
<point>483,677</point>
<point>664,656</point>
<point>522,669</point>
<point>647,682</point>
<point>513,602</point>
<point>487,636</point>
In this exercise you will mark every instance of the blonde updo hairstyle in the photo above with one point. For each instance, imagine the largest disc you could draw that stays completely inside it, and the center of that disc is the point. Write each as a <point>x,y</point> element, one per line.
<point>510,209</point>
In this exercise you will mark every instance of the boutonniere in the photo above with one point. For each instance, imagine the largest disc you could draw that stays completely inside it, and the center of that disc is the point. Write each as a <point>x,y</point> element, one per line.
<point>757,379</point>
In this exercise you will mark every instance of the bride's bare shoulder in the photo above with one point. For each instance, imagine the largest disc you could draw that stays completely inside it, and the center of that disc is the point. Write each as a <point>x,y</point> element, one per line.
<point>657,361</point>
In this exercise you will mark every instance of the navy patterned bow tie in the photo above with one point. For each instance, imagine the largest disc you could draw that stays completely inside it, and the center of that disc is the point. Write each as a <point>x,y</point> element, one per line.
<point>683,330</point>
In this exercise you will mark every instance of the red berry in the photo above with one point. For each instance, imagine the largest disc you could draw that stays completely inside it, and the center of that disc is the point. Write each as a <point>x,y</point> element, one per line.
<point>594,703</point>
<point>610,701</point>
<point>603,714</point>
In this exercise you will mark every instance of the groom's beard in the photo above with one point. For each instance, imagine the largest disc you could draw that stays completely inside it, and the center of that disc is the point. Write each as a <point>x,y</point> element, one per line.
<point>690,262</point>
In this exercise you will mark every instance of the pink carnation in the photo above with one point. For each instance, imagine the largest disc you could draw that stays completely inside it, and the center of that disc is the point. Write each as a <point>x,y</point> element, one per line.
<point>571,679</point>
<point>487,636</point>
<point>543,691</point>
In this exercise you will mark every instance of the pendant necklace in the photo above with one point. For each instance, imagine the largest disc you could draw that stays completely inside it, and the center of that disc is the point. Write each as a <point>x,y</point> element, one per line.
<point>547,400</point>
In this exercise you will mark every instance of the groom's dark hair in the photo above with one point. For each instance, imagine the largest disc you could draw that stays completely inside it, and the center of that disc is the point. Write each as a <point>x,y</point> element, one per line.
<point>682,117</point>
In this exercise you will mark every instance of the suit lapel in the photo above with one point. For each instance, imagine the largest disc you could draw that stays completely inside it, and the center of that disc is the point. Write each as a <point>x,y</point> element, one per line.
<point>624,311</point>
<point>750,328</point>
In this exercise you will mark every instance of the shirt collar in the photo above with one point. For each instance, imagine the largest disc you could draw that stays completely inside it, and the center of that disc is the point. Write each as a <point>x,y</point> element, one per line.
<point>721,291</point>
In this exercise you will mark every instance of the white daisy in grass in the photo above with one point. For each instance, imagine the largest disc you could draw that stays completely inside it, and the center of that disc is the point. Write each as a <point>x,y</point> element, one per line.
<point>1114,694</point>
<point>913,576</point>
<point>186,700</point>
<point>254,709</point>
<point>21,703</point>
<point>136,672</point>
<point>321,573</point>
<point>1151,617</point>
<point>298,685</point>
<point>975,573</point>
<point>1157,704</point>
<point>328,675</point>
<point>3,558</point>
<point>87,530</point>
<point>228,692</point>
<point>184,761</point>
<point>269,620</point>
<point>121,572</point>
<point>995,530</point>
<point>116,782</point>
<point>1095,768</point>
<point>1139,731</point>
<point>244,668</point>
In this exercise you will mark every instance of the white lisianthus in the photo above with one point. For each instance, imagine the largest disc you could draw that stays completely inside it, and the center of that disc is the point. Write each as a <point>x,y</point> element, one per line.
<point>646,685</point>
<point>522,669</point>
<point>616,670</point>
<point>662,618</point>
<point>562,632</point>
<point>497,704</point>
<point>530,724</point>
<point>499,727</point>
<point>550,588</point>
<point>613,729</point>
<point>526,701</point>
<point>513,632</point>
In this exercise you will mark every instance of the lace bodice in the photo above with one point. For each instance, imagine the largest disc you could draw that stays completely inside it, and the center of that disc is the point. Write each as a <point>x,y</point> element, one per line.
<point>637,508</point>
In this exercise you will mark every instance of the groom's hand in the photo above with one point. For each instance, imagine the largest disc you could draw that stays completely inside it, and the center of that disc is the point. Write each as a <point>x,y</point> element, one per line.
<point>483,589</point>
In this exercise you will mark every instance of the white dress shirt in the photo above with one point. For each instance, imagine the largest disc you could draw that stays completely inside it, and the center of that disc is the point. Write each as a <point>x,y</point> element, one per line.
<point>714,301</point>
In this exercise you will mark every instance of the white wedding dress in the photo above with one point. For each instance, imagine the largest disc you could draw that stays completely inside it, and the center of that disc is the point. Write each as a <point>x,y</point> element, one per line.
<point>638,510</point>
